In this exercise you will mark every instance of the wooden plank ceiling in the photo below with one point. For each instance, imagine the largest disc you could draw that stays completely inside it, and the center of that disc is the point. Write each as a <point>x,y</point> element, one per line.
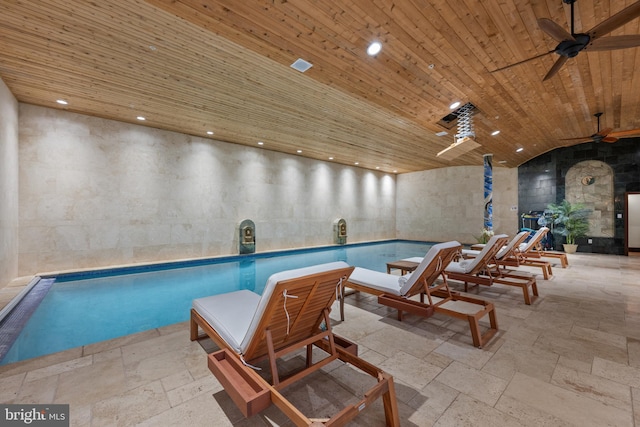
<point>194,66</point>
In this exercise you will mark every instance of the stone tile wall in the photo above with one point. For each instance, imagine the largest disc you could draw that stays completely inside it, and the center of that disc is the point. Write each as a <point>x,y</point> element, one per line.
<point>96,192</point>
<point>8,185</point>
<point>448,203</point>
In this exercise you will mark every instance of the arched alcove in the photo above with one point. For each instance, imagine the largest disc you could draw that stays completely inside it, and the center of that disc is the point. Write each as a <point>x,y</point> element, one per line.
<point>591,183</point>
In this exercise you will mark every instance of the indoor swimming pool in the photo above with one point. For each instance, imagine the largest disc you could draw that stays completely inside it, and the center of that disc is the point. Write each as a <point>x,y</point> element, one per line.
<point>88,307</point>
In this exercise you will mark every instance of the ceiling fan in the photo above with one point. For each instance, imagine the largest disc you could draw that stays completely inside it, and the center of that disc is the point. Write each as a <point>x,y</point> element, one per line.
<point>604,135</point>
<point>571,44</point>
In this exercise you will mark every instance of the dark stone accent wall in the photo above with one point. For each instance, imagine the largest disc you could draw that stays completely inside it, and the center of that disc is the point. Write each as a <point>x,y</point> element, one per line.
<point>541,181</point>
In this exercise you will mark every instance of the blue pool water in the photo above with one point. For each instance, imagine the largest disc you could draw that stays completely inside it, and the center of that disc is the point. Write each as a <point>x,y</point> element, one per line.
<point>85,308</point>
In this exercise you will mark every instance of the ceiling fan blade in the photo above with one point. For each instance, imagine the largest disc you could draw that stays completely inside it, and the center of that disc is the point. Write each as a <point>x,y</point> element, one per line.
<point>614,42</point>
<point>556,67</point>
<point>610,139</point>
<point>554,30</point>
<point>578,140</point>
<point>604,132</point>
<point>625,133</point>
<point>522,62</point>
<point>615,21</point>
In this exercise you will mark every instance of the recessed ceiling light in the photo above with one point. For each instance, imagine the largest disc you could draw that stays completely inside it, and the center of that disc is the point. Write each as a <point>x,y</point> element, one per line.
<point>377,167</point>
<point>519,150</point>
<point>301,65</point>
<point>61,101</point>
<point>502,161</point>
<point>141,118</point>
<point>356,163</point>
<point>299,151</point>
<point>395,171</point>
<point>495,132</point>
<point>454,105</point>
<point>330,158</point>
<point>209,132</point>
<point>260,143</point>
<point>442,133</point>
<point>374,48</point>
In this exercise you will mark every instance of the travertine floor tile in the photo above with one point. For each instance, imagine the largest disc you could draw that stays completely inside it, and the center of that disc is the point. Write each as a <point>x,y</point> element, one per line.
<point>635,395</point>
<point>79,386</point>
<point>466,354</point>
<point>388,341</point>
<point>431,402</point>
<point>39,390</point>
<point>411,370</point>
<point>131,407</point>
<point>10,387</point>
<point>204,385</point>
<point>618,372</point>
<point>571,407</point>
<point>477,384</point>
<point>466,411</point>
<point>58,368</point>
<point>608,392</point>
<point>515,357</point>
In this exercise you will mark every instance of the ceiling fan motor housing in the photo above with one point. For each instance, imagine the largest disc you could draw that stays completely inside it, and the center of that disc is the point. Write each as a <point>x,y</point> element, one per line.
<point>571,48</point>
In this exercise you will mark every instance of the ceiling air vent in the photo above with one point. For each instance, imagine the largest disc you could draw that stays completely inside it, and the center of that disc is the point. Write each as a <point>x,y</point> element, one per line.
<point>301,65</point>
<point>450,120</point>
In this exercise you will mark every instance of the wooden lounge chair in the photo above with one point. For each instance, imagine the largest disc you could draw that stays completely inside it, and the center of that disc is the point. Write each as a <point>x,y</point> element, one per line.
<point>533,251</point>
<point>511,256</point>
<point>292,313</point>
<point>395,292</point>
<point>484,270</point>
<point>507,256</point>
<point>504,253</point>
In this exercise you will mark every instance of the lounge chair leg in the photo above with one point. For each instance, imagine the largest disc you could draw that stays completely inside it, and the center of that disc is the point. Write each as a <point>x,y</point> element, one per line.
<point>275,377</point>
<point>342,303</point>
<point>525,291</point>
<point>546,271</point>
<point>400,315</point>
<point>478,339</point>
<point>390,403</point>
<point>309,355</point>
<point>475,332</point>
<point>193,329</point>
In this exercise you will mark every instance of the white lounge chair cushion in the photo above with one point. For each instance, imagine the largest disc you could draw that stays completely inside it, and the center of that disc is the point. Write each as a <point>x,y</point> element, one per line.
<point>471,252</point>
<point>463,266</point>
<point>527,246</point>
<point>505,250</point>
<point>388,283</point>
<point>235,315</point>
<point>229,314</point>
<point>398,285</point>
<point>468,265</point>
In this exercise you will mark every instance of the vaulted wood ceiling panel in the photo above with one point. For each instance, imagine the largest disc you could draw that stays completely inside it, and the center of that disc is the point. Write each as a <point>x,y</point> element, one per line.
<point>224,65</point>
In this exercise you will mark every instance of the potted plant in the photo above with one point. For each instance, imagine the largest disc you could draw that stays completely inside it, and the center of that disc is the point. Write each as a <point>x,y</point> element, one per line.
<point>571,221</point>
<point>485,236</point>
